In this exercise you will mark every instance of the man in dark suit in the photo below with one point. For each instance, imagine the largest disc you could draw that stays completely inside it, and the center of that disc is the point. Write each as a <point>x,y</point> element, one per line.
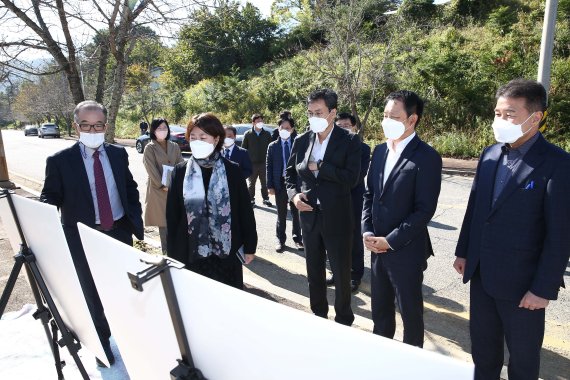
<point>278,154</point>
<point>255,141</point>
<point>348,122</point>
<point>401,195</point>
<point>91,183</point>
<point>235,153</point>
<point>515,242</point>
<point>323,168</point>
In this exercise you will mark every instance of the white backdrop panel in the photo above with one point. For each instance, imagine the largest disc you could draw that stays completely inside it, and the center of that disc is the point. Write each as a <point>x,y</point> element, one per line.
<point>42,229</point>
<point>235,335</point>
<point>9,225</point>
<point>139,322</point>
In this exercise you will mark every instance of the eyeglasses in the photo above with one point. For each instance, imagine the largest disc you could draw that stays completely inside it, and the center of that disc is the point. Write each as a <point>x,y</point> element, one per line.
<point>88,127</point>
<point>318,114</point>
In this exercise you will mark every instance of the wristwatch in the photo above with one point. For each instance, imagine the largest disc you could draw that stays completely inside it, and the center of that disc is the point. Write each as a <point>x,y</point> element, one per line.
<point>319,164</point>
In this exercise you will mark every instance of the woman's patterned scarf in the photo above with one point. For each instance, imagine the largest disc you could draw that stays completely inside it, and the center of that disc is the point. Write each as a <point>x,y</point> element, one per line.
<point>209,220</point>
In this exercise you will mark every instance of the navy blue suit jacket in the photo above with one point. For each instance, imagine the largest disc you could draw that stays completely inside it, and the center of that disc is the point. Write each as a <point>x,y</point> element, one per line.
<point>241,157</point>
<point>358,190</point>
<point>66,186</point>
<point>401,209</point>
<point>521,243</point>
<point>274,163</point>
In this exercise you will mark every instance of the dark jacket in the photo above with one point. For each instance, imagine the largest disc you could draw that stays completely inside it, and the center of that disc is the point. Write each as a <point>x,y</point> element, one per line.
<point>241,157</point>
<point>275,135</point>
<point>401,209</point>
<point>242,219</point>
<point>67,186</point>
<point>521,243</point>
<point>256,145</point>
<point>274,163</point>
<point>338,174</point>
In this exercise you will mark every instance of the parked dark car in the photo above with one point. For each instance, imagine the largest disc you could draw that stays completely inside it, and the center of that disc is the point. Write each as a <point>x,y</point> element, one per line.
<point>242,128</point>
<point>30,130</point>
<point>177,133</point>
<point>48,129</point>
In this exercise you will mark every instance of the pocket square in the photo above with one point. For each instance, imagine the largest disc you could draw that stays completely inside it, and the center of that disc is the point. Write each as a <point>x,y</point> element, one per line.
<point>529,185</point>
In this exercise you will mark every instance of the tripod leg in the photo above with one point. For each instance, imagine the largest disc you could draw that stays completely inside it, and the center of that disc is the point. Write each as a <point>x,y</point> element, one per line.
<point>10,284</point>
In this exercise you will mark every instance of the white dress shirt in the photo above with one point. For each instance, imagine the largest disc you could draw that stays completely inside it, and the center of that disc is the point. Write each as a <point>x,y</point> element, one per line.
<point>394,154</point>
<point>319,150</point>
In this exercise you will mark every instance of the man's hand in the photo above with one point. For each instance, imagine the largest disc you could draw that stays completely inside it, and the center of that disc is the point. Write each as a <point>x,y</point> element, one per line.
<point>376,244</point>
<point>165,189</point>
<point>300,200</point>
<point>532,302</point>
<point>459,265</point>
<point>249,258</point>
<point>271,191</point>
<point>313,166</point>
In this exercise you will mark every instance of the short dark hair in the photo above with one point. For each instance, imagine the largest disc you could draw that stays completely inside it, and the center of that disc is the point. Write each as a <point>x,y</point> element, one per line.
<point>413,104</point>
<point>154,124</point>
<point>284,119</point>
<point>329,96</point>
<point>346,115</point>
<point>209,123</point>
<point>531,91</point>
<point>88,105</point>
<point>256,116</point>
<point>285,114</point>
<point>231,128</point>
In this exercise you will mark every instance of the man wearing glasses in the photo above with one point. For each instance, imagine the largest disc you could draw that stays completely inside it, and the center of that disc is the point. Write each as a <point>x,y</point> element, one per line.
<point>91,183</point>
<point>323,168</point>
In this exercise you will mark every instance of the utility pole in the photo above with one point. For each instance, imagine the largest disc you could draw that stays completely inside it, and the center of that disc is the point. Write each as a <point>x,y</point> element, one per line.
<point>547,44</point>
<point>4,178</point>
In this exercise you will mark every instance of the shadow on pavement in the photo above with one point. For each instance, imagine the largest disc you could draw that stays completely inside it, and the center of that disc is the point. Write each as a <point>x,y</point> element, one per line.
<point>441,226</point>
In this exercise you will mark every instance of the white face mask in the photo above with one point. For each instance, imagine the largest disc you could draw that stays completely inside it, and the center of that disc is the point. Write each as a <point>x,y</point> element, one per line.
<point>92,140</point>
<point>393,129</point>
<point>201,149</point>
<point>228,142</point>
<point>259,125</point>
<point>161,135</point>
<point>284,134</point>
<point>318,124</point>
<point>507,132</point>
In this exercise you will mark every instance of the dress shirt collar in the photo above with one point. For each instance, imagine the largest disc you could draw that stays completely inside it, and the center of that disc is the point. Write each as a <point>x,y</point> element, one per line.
<point>88,152</point>
<point>401,145</point>
<point>513,153</point>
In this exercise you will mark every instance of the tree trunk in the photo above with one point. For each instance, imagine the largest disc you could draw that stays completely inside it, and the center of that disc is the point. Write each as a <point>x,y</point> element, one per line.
<point>120,73</point>
<point>102,74</point>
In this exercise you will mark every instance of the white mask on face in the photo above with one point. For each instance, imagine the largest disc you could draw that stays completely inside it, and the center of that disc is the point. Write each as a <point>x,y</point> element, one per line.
<point>161,135</point>
<point>507,132</point>
<point>284,134</point>
<point>318,124</point>
<point>92,140</point>
<point>201,149</point>
<point>228,142</point>
<point>393,129</point>
<point>259,125</point>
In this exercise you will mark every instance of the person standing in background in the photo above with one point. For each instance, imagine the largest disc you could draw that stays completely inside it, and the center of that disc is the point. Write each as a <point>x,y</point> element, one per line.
<point>235,153</point>
<point>256,141</point>
<point>278,154</point>
<point>160,156</point>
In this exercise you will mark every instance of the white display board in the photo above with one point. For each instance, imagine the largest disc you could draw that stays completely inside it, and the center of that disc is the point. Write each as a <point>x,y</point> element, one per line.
<point>41,225</point>
<point>234,335</point>
<point>9,225</point>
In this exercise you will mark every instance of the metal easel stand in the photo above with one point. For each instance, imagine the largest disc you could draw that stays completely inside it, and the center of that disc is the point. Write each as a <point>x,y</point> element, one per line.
<point>48,315</point>
<point>185,370</point>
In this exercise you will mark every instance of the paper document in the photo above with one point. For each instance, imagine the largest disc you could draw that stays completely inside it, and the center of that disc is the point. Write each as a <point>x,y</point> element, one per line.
<point>166,172</point>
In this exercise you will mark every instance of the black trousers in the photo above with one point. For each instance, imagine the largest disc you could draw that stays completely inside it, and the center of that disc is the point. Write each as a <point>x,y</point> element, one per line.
<point>403,284</point>
<point>318,243</point>
<point>259,170</point>
<point>86,278</point>
<point>282,200</point>
<point>494,321</point>
<point>357,244</point>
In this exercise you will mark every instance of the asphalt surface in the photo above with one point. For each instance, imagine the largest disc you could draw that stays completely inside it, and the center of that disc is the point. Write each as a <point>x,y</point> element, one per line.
<point>282,277</point>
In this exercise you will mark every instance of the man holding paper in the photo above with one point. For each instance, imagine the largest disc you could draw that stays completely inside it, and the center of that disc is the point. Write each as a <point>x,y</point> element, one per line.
<point>159,158</point>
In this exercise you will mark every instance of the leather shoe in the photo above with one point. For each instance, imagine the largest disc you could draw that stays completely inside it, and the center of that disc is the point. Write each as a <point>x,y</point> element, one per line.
<point>354,285</point>
<point>267,203</point>
<point>329,281</point>
<point>299,246</point>
<point>110,356</point>
<point>279,247</point>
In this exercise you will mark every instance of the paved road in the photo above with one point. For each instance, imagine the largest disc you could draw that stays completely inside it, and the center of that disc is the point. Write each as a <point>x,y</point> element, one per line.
<point>284,274</point>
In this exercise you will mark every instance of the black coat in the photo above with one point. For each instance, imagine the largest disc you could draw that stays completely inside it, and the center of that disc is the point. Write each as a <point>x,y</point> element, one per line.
<point>242,219</point>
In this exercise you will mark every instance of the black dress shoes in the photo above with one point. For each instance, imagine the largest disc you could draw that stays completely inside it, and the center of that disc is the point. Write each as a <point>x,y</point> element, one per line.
<point>329,281</point>
<point>267,203</point>
<point>299,246</point>
<point>354,285</point>
<point>280,247</point>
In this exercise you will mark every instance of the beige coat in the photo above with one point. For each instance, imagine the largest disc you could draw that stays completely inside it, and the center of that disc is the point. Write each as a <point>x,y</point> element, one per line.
<point>153,158</point>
